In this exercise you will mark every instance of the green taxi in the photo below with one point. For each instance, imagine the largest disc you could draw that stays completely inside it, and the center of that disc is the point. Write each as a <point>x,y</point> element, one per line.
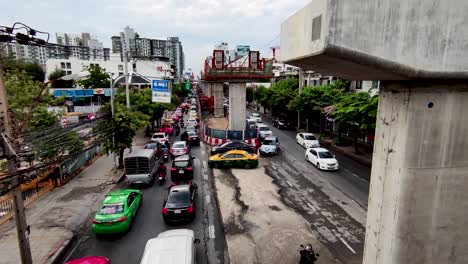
<point>117,212</point>
<point>233,159</point>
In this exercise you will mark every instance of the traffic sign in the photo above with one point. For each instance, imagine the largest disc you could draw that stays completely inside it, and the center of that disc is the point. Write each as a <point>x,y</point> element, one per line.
<point>161,91</point>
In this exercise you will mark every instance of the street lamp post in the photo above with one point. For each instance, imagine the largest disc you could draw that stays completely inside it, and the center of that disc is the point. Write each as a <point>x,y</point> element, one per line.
<point>114,159</point>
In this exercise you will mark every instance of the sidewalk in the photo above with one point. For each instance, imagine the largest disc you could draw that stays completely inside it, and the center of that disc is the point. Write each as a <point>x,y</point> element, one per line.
<point>363,158</point>
<point>56,216</point>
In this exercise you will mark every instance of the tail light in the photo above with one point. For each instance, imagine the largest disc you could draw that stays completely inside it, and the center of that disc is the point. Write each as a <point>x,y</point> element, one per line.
<point>96,221</point>
<point>189,168</point>
<point>121,219</point>
<point>185,150</point>
<point>164,211</point>
<point>172,169</point>
<point>190,209</point>
<point>171,150</point>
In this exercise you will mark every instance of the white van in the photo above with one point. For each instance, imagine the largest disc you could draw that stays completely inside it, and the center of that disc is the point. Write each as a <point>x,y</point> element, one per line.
<point>171,247</point>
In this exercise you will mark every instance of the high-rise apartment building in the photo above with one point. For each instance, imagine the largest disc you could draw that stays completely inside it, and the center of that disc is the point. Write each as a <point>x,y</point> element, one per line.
<point>146,48</point>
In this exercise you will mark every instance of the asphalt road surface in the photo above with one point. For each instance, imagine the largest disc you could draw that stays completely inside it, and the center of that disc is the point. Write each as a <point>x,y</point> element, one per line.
<point>128,248</point>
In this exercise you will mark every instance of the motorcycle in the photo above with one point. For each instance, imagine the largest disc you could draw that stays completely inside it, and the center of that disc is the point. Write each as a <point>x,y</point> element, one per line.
<point>182,124</point>
<point>165,157</point>
<point>162,173</point>
<point>308,255</point>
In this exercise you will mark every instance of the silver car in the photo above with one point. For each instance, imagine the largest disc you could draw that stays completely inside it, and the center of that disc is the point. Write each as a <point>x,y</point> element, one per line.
<point>270,146</point>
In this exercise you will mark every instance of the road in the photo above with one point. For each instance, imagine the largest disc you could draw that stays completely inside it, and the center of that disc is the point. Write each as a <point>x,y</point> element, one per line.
<point>128,248</point>
<point>334,203</point>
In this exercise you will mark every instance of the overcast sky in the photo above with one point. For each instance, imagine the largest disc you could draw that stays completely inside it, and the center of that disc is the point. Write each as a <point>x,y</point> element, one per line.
<point>200,24</point>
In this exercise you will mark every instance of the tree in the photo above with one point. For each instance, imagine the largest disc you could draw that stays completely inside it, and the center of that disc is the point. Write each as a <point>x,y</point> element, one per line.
<point>179,89</point>
<point>359,111</point>
<point>28,101</point>
<point>250,94</point>
<point>125,124</point>
<point>54,78</point>
<point>313,99</point>
<point>282,93</point>
<point>98,77</point>
<point>33,69</point>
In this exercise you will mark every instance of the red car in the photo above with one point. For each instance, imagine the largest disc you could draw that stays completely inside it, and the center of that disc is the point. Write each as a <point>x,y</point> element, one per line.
<point>167,128</point>
<point>90,260</point>
<point>175,118</point>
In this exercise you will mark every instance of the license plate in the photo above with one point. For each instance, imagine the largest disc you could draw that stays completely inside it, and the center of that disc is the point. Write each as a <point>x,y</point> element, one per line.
<point>181,171</point>
<point>108,223</point>
<point>160,178</point>
<point>177,212</point>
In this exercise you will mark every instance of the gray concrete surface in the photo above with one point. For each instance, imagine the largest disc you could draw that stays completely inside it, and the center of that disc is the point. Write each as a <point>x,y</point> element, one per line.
<point>379,40</point>
<point>418,198</point>
<point>218,99</point>
<point>129,247</point>
<point>237,102</point>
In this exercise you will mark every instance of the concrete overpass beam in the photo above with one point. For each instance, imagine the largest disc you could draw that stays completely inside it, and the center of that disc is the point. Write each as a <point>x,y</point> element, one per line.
<point>237,101</point>
<point>218,99</point>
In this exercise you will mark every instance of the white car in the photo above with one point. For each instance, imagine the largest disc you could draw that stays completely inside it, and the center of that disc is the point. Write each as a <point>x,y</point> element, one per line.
<point>256,117</point>
<point>264,131</point>
<point>307,140</point>
<point>160,137</point>
<point>192,122</point>
<point>321,158</point>
<point>193,112</point>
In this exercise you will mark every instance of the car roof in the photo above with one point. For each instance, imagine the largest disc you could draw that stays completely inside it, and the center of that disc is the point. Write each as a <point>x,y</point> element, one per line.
<point>182,187</point>
<point>271,138</point>
<point>182,158</point>
<point>236,151</point>
<point>148,153</point>
<point>177,142</point>
<point>118,196</point>
<point>308,134</point>
<point>321,149</point>
<point>261,125</point>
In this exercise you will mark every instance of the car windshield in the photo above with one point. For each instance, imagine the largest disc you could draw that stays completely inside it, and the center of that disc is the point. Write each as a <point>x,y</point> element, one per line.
<point>151,146</point>
<point>179,197</point>
<point>309,137</point>
<point>181,163</point>
<point>264,129</point>
<point>191,133</point>
<point>109,209</point>
<point>325,155</point>
<point>178,145</point>
<point>190,128</point>
<point>268,142</point>
<point>158,136</point>
<point>255,115</point>
<point>166,126</point>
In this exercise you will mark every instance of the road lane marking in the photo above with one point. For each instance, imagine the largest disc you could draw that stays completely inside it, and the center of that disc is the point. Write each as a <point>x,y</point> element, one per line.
<point>289,183</point>
<point>211,232</point>
<point>346,244</point>
<point>207,199</point>
<point>203,152</point>
<point>313,208</point>
<point>205,176</point>
<point>204,166</point>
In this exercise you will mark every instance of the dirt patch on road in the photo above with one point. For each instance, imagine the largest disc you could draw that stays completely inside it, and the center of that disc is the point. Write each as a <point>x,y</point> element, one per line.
<point>259,227</point>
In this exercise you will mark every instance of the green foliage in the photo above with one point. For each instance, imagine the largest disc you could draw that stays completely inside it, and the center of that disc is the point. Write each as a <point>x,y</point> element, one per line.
<point>357,109</point>
<point>33,69</point>
<point>315,98</point>
<point>250,94</point>
<point>28,101</point>
<point>179,89</point>
<point>278,96</point>
<point>126,123</point>
<point>56,83</point>
<point>98,78</point>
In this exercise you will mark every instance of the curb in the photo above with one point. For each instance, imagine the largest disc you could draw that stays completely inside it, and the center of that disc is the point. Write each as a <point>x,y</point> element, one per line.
<point>352,156</point>
<point>57,257</point>
<point>118,177</point>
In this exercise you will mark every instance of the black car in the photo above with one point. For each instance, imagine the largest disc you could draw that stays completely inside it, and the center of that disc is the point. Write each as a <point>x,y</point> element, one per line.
<point>179,204</point>
<point>156,146</point>
<point>232,145</point>
<point>281,123</point>
<point>182,168</point>
<point>193,138</point>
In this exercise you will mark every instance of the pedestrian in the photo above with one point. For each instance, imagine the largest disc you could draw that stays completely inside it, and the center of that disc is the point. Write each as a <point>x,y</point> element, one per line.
<point>307,255</point>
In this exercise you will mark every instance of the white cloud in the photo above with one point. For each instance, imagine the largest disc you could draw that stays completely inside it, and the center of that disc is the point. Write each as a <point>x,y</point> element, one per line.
<point>199,23</point>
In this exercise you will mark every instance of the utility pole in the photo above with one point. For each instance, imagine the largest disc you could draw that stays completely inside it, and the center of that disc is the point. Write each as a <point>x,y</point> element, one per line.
<point>20,217</point>
<point>114,159</point>
<point>127,92</point>
<point>301,83</point>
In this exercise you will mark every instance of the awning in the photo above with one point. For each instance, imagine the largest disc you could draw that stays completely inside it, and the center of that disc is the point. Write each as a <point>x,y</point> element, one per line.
<point>74,93</point>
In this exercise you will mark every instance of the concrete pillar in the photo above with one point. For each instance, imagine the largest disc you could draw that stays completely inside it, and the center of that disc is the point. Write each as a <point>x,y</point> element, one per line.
<point>218,99</point>
<point>418,201</point>
<point>237,100</point>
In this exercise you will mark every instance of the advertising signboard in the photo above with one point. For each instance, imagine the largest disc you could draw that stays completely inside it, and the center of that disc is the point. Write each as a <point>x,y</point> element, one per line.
<point>218,59</point>
<point>161,90</point>
<point>242,50</point>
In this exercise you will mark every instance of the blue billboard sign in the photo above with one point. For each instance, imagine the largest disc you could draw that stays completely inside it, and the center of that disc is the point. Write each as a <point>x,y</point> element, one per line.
<point>161,90</point>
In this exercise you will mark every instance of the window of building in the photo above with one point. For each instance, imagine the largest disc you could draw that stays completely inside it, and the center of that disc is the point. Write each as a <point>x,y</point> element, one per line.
<point>62,65</point>
<point>120,67</point>
<point>68,65</point>
<point>358,85</point>
<point>121,73</point>
<point>69,72</point>
<point>134,67</point>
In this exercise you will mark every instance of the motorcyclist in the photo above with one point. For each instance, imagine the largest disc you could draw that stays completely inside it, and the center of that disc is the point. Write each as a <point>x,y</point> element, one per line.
<point>162,168</point>
<point>307,255</point>
<point>184,136</point>
<point>177,129</point>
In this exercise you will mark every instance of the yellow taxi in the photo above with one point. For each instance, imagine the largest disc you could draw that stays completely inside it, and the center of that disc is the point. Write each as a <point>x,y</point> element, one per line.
<point>233,159</point>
